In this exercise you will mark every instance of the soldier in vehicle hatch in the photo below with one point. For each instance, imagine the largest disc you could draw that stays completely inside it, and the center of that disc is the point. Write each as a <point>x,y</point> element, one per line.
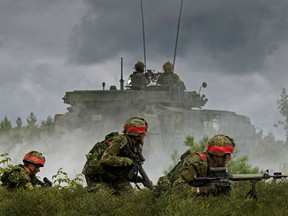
<point>169,78</point>
<point>138,78</point>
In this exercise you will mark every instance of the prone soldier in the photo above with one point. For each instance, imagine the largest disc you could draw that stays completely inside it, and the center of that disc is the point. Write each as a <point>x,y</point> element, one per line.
<point>193,165</point>
<point>24,176</point>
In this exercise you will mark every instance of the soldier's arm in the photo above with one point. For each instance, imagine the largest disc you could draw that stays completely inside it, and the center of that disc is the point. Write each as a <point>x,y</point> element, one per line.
<point>187,174</point>
<point>110,156</point>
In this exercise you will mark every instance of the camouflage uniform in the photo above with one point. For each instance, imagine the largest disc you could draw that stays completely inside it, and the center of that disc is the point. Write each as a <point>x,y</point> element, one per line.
<point>168,78</point>
<point>16,177</point>
<point>138,78</point>
<point>193,165</point>
<point>109,172</point>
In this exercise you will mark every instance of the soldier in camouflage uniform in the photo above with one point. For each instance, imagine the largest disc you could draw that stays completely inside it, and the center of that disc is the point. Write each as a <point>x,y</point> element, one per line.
<point>138,78</point>
<point>23,176</point>
<point>108,171</point>
<point>192,165</point>
<point>169,78</point>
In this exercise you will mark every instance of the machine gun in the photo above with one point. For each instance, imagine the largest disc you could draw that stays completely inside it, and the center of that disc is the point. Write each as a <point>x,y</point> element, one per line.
<point>46,183</point>
<point>219,175</point>
<point>132,176</point>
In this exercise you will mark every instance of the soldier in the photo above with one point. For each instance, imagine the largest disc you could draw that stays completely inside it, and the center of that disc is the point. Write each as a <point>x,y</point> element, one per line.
<point>109,162</point>
<point>192,165</point>
<point>169,78</point>
<point>23,176</point>
<point>138,78</point>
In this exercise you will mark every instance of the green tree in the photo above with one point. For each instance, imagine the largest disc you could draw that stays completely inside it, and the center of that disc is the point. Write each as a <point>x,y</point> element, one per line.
<point>197,147</point>
<point>191,144</point>
<point>47,125</point>
<point>5,125</point>
<point>31,129</point>
<point>31,121</point>
<point>18,132</point>
<point>19,122</point>
<point>283,108</point>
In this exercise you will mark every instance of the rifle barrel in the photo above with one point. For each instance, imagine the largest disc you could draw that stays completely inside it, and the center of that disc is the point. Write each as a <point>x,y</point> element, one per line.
<point>245,177</point>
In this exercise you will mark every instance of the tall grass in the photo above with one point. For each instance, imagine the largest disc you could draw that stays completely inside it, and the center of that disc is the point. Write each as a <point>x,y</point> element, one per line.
<point>76,201</point>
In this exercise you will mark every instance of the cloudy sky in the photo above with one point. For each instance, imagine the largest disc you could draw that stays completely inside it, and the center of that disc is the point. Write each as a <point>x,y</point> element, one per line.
<point>48,47</point>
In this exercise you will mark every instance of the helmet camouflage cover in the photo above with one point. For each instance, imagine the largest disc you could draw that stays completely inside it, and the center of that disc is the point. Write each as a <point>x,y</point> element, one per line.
<point>220,145</point>
<point>139,66</point>
<point>35,158</point>
<point>135,126</point>
<point>168,67</point>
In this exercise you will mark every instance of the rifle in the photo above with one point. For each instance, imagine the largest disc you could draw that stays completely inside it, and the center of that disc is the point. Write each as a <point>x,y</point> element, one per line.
<point>46,183</point>
<point>132,176</point>
<point>219,175</point>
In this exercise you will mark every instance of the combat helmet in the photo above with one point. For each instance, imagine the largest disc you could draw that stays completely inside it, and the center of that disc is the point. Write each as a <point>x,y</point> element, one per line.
<point>139,66</point>
<point>34,157</point>
<point>220,145</point>
<point>168,67</point>
<point>135,126</point>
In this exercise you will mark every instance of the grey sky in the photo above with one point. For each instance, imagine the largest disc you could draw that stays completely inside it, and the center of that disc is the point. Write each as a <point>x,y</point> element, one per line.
<point>48,47</point>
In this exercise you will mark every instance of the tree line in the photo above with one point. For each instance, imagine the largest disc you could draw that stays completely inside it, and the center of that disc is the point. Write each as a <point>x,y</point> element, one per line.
<point>29,129</point>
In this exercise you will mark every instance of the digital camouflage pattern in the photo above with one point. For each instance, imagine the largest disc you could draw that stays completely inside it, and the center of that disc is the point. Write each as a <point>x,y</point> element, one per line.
<point>168,67</point>
<point>135,126</point>
<point>193,165</point>
<point>168,78</point>
<point>108,170</point>
<point>138,78</point>
<point>139,66</point>
<point>15,177</point>
<point>35,157</point>
<point>220,145</point>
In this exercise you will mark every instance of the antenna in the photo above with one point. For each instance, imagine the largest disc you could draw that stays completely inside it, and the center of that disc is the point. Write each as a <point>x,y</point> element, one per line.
<point>121,80</point>
<point>143,30</point>
<point>177,34</point>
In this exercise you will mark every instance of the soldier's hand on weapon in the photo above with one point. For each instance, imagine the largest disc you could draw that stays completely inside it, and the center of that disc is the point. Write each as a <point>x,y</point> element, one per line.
<point>47,182</point>
<point>149,184</point>
<point>139,179</point>
<point>126,161</point>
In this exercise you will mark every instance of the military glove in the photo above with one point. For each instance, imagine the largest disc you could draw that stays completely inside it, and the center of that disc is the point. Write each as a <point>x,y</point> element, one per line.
<point>126,161</point>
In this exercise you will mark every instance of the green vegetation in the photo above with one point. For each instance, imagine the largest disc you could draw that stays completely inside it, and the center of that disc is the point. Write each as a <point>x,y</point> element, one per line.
<point>272,201</point>
<point>25,132</point>
<point>69,196</point>
<point>73,199</point>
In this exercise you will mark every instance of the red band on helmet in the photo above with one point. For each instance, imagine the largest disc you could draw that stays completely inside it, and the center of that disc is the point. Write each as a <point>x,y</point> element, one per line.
<point>221,149</point>
<point>136,129</point>
<point>35,159</point>
<point>203,156</point>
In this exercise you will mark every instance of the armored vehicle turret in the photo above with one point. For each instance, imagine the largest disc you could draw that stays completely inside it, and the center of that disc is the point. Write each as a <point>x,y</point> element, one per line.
<point>172,114</point>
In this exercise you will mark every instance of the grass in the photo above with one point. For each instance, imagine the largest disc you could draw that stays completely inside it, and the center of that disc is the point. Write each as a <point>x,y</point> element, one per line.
<point>76,201</point>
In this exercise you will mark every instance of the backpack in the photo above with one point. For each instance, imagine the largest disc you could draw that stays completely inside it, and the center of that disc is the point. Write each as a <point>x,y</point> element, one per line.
<point>5,176</point>
<point>93,165</point>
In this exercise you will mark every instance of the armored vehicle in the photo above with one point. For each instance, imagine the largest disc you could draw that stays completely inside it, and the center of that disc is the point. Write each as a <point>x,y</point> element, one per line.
<point>172,113</point>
